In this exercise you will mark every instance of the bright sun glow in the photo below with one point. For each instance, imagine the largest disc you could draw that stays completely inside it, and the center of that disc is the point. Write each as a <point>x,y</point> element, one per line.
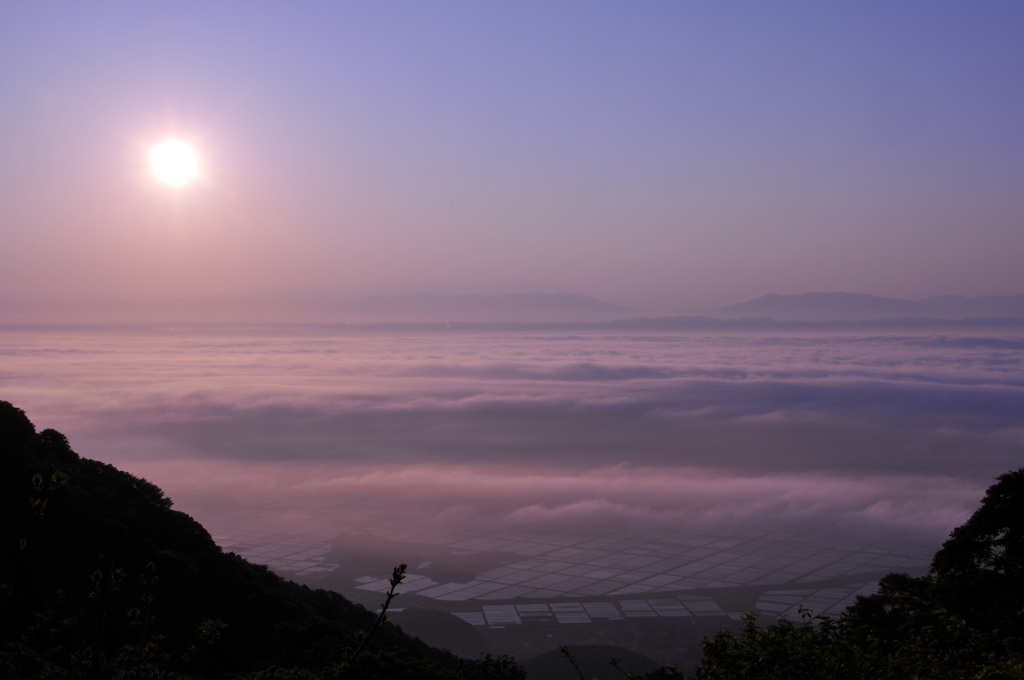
<point>174,162</point>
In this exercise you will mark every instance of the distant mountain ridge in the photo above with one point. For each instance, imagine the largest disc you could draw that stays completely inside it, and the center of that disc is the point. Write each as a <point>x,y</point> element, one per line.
<point>863,307</point>
<point>332,305</point>
<point>958,306</point>
<point>503,307</point>
<point>427,305</point>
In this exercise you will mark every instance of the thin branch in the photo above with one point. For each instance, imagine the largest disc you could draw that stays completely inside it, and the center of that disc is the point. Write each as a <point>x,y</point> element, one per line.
<point>614,663</point>
<point>567,653</point>
<point>397,576</point>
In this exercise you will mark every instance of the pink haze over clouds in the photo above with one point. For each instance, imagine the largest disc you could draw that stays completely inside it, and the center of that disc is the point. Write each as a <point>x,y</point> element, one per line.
<point>529,429</point>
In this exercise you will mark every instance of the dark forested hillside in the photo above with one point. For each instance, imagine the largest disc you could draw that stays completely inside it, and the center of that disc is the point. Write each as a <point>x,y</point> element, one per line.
<point>964,620</point>
<point>102,578</point>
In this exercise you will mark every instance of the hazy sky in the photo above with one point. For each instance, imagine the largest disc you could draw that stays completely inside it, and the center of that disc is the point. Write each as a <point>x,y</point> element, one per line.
<point>631,151</point>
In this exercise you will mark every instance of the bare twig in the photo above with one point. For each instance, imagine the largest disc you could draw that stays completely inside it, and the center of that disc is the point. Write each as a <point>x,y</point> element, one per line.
<point>567,653</point>
<point>397,576</point>
<point>630,675</point>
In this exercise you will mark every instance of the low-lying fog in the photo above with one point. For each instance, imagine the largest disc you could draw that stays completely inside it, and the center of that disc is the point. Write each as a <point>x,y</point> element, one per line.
<point>537,430</point>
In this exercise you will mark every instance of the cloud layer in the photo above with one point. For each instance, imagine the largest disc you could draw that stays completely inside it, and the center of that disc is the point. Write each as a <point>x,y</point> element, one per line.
<point>541,429</point>
<point>492,497</point>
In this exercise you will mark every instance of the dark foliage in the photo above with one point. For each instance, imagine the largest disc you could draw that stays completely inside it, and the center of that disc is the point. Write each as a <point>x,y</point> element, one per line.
<point>100,577</point>
<point>980,569</point>
<point>963,620</point>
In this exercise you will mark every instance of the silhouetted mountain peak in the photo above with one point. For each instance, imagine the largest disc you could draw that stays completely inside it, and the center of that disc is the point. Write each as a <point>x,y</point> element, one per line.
<point>841,306</point>
<point>825,307</point>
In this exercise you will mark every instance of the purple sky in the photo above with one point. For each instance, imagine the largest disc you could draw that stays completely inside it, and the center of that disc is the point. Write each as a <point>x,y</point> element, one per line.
<point>636,152</point>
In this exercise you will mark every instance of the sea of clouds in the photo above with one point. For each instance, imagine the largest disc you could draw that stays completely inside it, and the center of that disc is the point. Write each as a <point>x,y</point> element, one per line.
<point>867,431</point>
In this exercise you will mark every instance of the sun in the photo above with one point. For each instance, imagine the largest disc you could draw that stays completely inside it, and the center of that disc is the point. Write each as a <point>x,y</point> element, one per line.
<point>173,162</point>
